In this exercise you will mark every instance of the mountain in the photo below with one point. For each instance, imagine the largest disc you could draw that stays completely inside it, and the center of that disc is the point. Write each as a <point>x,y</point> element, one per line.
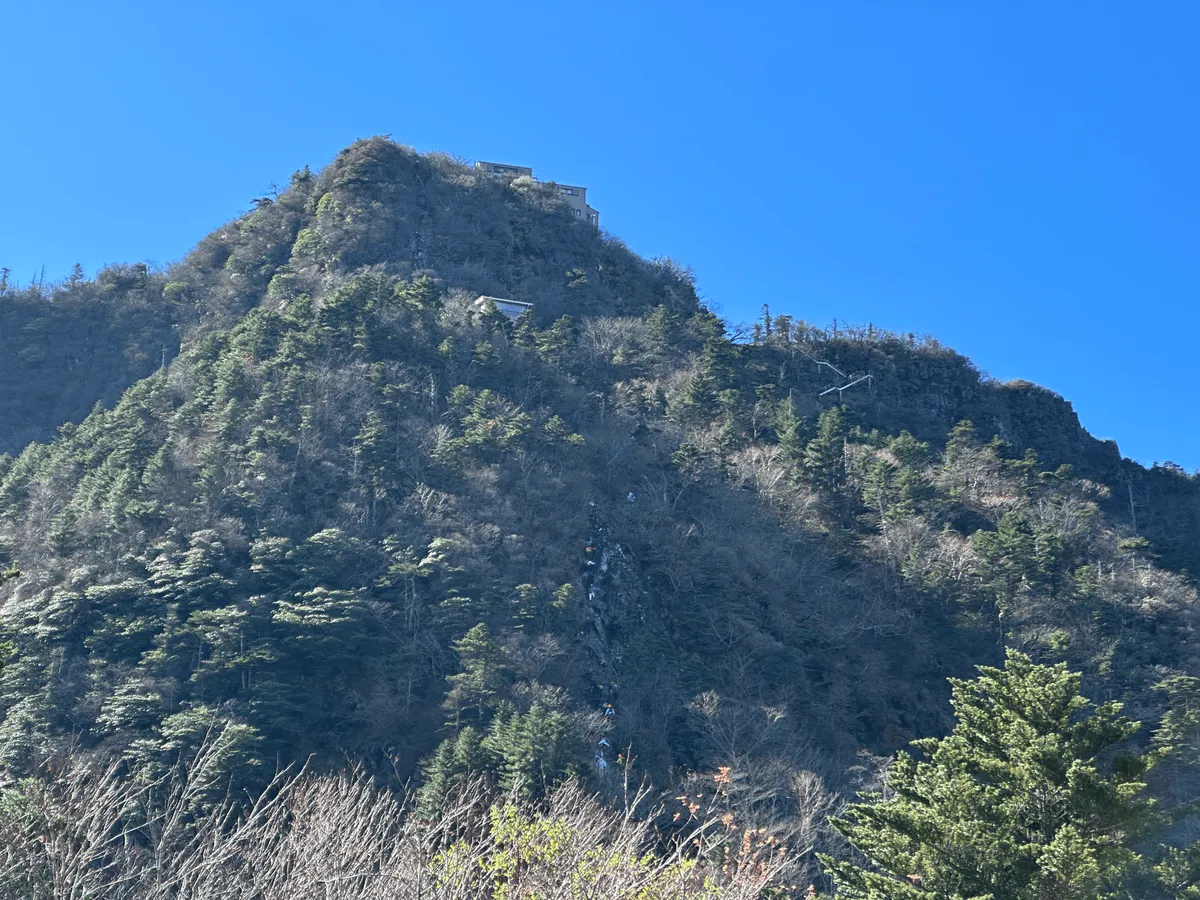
<point>357,515</point>
<point>64,350</point>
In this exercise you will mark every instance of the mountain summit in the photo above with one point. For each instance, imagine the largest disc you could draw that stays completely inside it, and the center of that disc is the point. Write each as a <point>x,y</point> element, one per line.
<point>329,500</point>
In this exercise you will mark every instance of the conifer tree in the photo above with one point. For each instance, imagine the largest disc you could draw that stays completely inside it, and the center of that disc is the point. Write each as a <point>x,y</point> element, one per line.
<point>533,750</point>
<point>475,687</point>
<point>661,327</point>
<point>1026,799</point>
<point>455,758</point>
<point>962,438</point>
<point>76,278</point>
<point>789,428</point>
<point>825,455</point>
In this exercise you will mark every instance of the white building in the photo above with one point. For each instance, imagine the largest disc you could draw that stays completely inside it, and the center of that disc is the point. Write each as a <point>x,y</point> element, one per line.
<point>510,308</point>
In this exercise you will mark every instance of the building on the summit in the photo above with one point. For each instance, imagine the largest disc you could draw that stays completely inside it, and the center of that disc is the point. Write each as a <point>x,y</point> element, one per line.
<point>576,198</point>
<point>573,195</point>
<point>500,170</point>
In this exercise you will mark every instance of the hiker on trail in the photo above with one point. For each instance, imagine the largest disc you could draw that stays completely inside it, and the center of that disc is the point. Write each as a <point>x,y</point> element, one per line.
<point>608,710</point>
<point>603,742</point>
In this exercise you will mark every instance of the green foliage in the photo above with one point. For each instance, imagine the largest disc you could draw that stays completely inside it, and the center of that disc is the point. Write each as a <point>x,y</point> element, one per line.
<point>1179,730</point>
<point>962,439</point>
<point>352,511</point>
<point>528,753</point>
<point>1020,555</point>
<point>1024,799</point>
<point>789,429</point>
<point>825,454</point>
<point>534,750</point>
<point>473,690</point>
<point>1179,872</point>
<point>455,760</point>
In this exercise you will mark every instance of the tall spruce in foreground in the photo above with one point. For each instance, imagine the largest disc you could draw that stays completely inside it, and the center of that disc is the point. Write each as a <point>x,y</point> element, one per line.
<point>1027,799</point>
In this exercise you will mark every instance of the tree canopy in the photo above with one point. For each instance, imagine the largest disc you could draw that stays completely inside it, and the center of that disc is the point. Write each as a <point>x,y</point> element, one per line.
<point>1036,793</point>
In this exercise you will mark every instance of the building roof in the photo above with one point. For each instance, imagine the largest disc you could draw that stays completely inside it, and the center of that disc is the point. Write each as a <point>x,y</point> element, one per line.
<point>510,308</point>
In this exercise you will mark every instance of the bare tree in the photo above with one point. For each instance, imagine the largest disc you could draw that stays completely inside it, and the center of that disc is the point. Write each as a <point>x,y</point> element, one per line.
<point>93,831</point>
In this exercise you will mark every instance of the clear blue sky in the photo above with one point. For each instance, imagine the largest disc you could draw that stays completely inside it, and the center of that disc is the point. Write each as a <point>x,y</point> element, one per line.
<point>1020,179</point>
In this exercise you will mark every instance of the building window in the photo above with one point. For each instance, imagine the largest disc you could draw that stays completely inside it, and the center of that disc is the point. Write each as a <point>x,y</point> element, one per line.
<point>570,191</point>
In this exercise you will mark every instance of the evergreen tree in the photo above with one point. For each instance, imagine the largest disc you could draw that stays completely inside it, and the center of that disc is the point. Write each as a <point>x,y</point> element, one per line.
<point>661,328</point>
<point>1026,799</point>
<point>878,490</point>
<point>1180,726</point>
<point>474,688</point>
<point>789,429</point>
<point>454,759</point>
<point>1020,555</point>
<point>909,452</point>
<point>534,750</point>
<point>825,455</point>
<point>962,438</point>
<point>76,278</point>
<point>438,772</point>
<point>553,343</point>
<point>1179,872</point>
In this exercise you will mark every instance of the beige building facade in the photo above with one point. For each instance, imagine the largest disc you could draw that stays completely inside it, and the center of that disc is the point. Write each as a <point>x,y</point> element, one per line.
<point>576,198</point>
<point>502,170</point>
<point>572,194</point>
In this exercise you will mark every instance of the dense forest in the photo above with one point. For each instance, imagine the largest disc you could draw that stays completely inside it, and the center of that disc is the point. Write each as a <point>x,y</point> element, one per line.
<point>299,500</point>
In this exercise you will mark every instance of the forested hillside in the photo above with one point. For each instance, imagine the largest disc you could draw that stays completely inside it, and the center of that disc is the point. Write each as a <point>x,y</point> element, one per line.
<point>355,517</point>
<point>65,349</point>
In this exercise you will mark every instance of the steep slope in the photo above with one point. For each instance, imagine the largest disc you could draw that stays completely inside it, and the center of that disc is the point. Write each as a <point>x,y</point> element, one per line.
<point>377,205</point>
<point>359,516</point>
<point>925,388</point>
<point>65,350</point>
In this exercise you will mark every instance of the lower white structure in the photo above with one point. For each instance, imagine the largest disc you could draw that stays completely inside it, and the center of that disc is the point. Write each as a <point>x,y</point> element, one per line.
<point>510,308</point>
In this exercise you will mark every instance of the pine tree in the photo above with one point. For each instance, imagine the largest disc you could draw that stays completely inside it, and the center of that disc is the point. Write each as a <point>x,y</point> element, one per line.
<point>789,429</point>
<point>1179,872</point>
<point>76,278</point>
<point>474,689</point>
<point>553,343</point>
<point>878,490</point>
<point>962,438</point>
<point>438,773</point>
<point>1020,555</point>
<point>825,455</point>
<point>661,328</point>
<point>455,758</point>
<point>534,750</point>
<point>1016,804</point>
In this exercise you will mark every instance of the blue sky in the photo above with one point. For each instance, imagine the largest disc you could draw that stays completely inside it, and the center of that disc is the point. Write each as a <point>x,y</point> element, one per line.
<point>1018,179</point>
